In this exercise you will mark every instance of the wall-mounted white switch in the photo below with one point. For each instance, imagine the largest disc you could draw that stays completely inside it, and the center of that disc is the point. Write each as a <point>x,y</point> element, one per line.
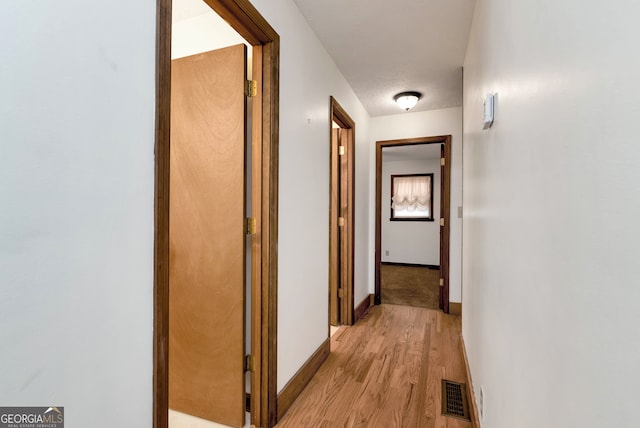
<point>487,118</point>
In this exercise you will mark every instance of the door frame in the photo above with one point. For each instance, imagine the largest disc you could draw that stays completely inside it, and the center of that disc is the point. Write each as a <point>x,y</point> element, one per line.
<point>445,210</point>
<point>248,22</point>
<point>346,307</point>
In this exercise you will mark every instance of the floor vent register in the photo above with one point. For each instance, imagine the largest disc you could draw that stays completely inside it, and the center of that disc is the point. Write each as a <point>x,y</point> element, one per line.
<point>454,400</point>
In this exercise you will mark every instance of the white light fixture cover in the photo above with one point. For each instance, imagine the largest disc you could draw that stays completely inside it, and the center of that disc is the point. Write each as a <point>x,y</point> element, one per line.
<point>407,100</point>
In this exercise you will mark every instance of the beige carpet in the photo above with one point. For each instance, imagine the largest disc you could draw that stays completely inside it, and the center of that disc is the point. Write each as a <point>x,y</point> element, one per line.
<point>410,286</point>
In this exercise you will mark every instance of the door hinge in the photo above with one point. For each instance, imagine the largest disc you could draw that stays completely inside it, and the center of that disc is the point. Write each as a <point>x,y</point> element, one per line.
<point>441,282</point>
<point>442,161</point>
<point>250,226</point>
<point>341,150</point>
<point>251,88</point>
<point>340,221</point>
<point>248,363</point>
<point>442,222</point>
<point>341,292</point>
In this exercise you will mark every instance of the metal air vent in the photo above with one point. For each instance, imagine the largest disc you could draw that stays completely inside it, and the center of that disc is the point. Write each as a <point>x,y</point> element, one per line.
<point>454,400</point>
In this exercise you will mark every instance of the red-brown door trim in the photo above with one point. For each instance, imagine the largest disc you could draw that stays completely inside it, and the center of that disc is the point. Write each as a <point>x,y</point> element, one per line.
<point>445,209</point>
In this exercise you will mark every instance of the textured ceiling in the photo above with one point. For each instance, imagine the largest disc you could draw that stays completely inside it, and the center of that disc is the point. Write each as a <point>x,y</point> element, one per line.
<point>388,46</point>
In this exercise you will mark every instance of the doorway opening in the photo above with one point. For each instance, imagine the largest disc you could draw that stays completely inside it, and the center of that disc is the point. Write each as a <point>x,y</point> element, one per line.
<point>341,217</point>
<point>410,229</point>
<point>261,178</point>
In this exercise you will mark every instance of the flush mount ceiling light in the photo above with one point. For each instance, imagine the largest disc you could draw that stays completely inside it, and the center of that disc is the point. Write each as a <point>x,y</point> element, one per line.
<point>407,100</point>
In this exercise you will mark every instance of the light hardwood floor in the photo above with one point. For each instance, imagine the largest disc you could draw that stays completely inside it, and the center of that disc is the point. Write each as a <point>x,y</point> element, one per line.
<point>385,371</point>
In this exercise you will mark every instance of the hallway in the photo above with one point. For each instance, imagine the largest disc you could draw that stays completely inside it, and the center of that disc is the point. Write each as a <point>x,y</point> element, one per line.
<point>385,371</point>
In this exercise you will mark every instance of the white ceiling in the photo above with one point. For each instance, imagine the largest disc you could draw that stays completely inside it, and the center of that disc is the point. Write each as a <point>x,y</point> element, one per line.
<point>384,47</point>
<point>414,152</point>
<point>185,9</point>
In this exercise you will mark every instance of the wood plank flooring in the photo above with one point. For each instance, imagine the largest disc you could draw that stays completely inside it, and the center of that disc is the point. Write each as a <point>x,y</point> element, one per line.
<point>385,371</point>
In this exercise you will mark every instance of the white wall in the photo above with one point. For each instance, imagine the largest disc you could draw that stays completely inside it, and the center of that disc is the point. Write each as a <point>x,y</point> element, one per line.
<point>308,77</point>
<point>424,124</point>
<point>410,241</point>
<point>551,292</point>
<point>76,217</point>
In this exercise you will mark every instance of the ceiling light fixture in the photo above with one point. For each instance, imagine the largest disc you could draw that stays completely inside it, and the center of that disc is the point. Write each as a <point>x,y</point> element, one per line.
<point>407,100</point>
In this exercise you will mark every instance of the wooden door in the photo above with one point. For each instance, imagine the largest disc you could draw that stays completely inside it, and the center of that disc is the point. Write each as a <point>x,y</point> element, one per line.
<point>340,253</point>
<point>207,238</point>
<point>343,226</point>
<point>334,276</point>
<point>444,230</point>
<point>440,216</point>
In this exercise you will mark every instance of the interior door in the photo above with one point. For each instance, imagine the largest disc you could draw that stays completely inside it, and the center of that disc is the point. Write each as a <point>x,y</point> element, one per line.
<point>443,258</point>
<point>343,225</point>
<point>207,236</point>
<point>334,278</point>
<point>338,231</point>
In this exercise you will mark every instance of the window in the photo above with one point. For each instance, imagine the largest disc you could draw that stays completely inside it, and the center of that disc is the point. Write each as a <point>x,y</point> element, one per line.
<point>411,197</point>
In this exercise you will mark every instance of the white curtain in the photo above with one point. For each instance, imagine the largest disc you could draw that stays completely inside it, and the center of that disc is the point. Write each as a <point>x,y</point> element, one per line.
<point>411,193</point>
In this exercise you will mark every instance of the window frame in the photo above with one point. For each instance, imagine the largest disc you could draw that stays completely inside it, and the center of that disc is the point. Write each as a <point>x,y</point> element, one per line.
<point>431,195</point>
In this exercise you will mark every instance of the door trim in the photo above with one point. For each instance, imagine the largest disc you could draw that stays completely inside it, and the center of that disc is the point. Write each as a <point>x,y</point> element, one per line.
<point>445,209</point>
<point>248,22</point>
<point>340,116</point>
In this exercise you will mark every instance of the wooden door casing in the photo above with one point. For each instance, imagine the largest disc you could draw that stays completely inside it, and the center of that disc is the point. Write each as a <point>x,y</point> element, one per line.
<point>445,189</point>
<point>255,29</point>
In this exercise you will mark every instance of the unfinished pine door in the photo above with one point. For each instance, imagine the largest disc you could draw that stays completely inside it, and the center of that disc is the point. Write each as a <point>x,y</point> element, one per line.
<point>207,241</point>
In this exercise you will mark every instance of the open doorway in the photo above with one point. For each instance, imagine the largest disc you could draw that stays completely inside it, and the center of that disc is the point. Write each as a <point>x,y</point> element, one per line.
<point>341,218</point>
<point>410,261</point>
<point>202,101</point>
<point>412,230</point>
